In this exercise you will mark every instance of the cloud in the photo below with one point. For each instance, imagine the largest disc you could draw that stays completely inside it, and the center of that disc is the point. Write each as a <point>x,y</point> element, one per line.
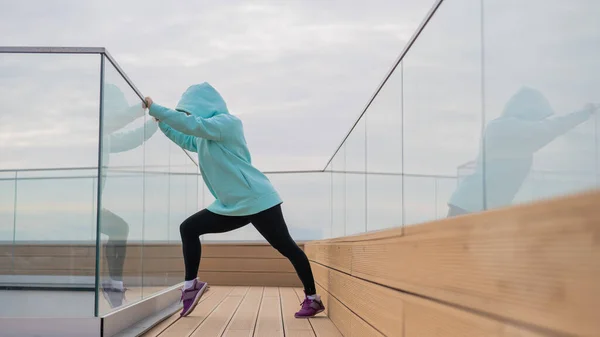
<point>283,67</point>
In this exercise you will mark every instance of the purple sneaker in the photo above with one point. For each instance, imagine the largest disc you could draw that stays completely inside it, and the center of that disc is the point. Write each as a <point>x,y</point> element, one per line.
<point>190,297</point>
<point>310,307</point>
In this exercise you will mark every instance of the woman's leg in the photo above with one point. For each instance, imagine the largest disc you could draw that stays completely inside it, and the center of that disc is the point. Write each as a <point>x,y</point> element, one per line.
<point>272,227</point>
<point>203,222</point>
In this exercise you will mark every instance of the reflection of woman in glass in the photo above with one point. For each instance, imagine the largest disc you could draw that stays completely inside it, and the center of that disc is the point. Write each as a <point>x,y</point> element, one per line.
<point>510,143</point>
<point>118,114</point>
<point>201,123</point>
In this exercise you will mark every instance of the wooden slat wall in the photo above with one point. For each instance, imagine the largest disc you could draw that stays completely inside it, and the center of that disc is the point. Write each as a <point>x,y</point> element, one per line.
<point>161,264</point>
<point>531,270</point>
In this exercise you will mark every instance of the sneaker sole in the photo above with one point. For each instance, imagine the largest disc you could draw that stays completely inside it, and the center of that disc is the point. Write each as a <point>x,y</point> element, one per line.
<point>316,313</point>
<point>196,301</point>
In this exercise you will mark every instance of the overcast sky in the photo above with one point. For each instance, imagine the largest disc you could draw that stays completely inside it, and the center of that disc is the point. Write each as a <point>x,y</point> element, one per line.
<point>298,73</point>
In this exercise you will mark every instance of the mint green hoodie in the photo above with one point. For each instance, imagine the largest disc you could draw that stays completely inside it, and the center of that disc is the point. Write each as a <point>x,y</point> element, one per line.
<point>201,123</point>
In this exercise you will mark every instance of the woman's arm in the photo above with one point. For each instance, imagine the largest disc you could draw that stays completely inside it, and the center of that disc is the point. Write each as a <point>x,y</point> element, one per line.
<point>182,140</point>
<point>214,128</point>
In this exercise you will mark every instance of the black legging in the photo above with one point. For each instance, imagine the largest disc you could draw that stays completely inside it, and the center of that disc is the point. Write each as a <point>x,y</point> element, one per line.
<point>269,223</point>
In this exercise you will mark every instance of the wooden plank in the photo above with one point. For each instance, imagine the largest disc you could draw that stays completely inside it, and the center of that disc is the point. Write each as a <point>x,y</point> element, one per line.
<point>349,324</point>
<point>379,306</point>
<point>537,264</point>
<point>216,322</point>
<point>252,265</point>
<point>271,292</point>
<point>251,279</point>
<point>337,256</point>
<point>187,325</point>
<point>148,265</point>
<point>134,249</point>
<point>321,273</point>
<point>59,272</point>
<point>269,322</point>
<point>417,317</point>
<point>53,250</point>
<point>239,291</point>
<point>240,250</point>
<point>368,236</point>
<point>424,318</point>
<point>292,325</point>
<point>321,324</point>
<point>238,333</point>
<point>170,278</point>
<point>244,320</point>
<point>79,260</point>
<point>49,262</point>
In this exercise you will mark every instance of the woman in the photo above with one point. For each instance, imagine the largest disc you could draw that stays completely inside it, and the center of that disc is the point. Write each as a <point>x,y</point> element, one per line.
<point>201,123</point>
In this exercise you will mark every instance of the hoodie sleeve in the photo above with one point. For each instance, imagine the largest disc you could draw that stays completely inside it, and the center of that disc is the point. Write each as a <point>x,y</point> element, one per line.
<point>182,140</point>
<point>537,134</point>
<point>129,140</point>
<point>213,128</point>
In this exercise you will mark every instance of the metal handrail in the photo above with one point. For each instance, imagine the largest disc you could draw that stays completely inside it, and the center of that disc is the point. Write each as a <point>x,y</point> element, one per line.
<point>81,50</point>
<point>124,169</point>
<point>74,50</point>
<point>85,168</point>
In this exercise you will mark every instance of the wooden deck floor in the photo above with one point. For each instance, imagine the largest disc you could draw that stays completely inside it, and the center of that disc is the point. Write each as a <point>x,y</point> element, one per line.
<point>247,312</point>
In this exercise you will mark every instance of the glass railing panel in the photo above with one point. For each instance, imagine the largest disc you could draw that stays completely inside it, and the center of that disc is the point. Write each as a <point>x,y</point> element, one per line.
<point>306,208</point>
<point>540,72</point>
<point>384,200</point>
<point>444,187</point>
<point>338,193</point>
<point>56,206</point>
<point>306,198</point>
<point>356,211</point>
<point>58,125</point>
<point>49,114</point>
<point>8,185</point>
<point>329,172</point>
<point>442,105</point>
<point>428,197</point>
<point>177,192</point>
<point>126,127</point>
<point>384,156</point>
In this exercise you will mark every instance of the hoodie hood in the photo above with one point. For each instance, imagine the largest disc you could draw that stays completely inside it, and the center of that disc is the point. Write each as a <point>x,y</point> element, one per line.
<point>202,100</point>
<point>528,104</point>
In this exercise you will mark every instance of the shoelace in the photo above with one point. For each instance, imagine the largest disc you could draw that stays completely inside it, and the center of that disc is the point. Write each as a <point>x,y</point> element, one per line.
<point>183,290</point>
<point>306,303</point>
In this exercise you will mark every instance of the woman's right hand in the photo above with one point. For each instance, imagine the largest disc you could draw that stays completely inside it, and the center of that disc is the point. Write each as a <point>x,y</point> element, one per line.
<point>148,103</point>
